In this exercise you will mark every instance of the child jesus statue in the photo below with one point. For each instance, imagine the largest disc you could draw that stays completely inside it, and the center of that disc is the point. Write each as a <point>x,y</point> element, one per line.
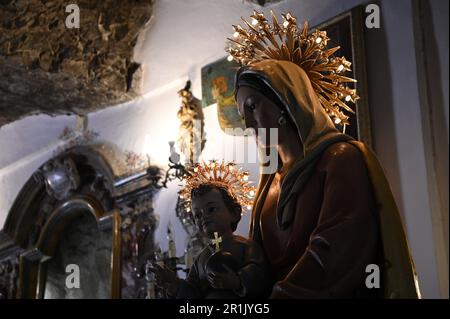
<point>231,266</point>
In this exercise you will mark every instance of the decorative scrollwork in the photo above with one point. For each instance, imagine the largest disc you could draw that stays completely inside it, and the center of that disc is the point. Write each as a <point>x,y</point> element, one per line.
<point>9,270</point>
<point>60,177</point>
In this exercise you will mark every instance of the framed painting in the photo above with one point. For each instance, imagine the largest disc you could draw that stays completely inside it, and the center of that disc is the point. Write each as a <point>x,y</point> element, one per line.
<point>218,87</point>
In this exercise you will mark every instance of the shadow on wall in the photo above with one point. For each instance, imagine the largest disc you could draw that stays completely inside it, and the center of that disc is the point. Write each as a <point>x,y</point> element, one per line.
<point>437,105</point>
<point>381,107</point>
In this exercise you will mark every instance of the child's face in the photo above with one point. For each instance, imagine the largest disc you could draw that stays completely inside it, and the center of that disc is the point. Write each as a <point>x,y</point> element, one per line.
<point>212,215</point>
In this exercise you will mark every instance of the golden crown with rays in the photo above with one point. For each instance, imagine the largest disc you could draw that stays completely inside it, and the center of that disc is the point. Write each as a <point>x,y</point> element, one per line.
<point>261,40</point>
<point>224,175</point>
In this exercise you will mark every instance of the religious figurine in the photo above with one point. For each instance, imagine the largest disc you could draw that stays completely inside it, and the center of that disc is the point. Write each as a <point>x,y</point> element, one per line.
<point>230,266</point>
<point>327,212</point>
<point>191,134</point>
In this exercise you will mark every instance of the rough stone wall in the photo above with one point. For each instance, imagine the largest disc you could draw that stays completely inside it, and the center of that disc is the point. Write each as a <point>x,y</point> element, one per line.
<point>47,67</point>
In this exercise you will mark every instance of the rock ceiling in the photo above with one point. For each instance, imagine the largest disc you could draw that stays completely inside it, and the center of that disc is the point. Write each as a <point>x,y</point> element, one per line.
<point>46,67</point>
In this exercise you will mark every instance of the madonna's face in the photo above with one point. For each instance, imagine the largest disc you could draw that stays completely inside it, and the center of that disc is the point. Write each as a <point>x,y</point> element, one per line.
<point>258,112</point>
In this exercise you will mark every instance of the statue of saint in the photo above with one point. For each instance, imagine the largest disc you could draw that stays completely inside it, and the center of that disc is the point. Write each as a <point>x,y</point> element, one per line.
<point>327,214</point>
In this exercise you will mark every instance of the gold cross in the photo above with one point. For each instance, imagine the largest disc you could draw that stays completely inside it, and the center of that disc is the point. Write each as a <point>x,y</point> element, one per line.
<point>216,241</point>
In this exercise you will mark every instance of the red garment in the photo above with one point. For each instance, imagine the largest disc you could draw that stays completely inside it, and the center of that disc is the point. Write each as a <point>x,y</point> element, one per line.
<point>334,234</point>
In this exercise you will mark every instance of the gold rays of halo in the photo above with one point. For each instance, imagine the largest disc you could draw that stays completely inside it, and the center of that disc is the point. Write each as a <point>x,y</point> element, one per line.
<point>260,40</point>
<point>225,175</point>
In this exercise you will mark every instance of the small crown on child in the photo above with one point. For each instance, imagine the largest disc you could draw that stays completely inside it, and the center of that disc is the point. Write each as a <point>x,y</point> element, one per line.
<point>224,175</point>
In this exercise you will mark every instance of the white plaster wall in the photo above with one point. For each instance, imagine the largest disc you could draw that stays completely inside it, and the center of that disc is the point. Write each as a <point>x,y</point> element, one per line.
<point>150,124</point>
<point>409,140</point>
<point>186,35</point>
<point>24,146</point>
